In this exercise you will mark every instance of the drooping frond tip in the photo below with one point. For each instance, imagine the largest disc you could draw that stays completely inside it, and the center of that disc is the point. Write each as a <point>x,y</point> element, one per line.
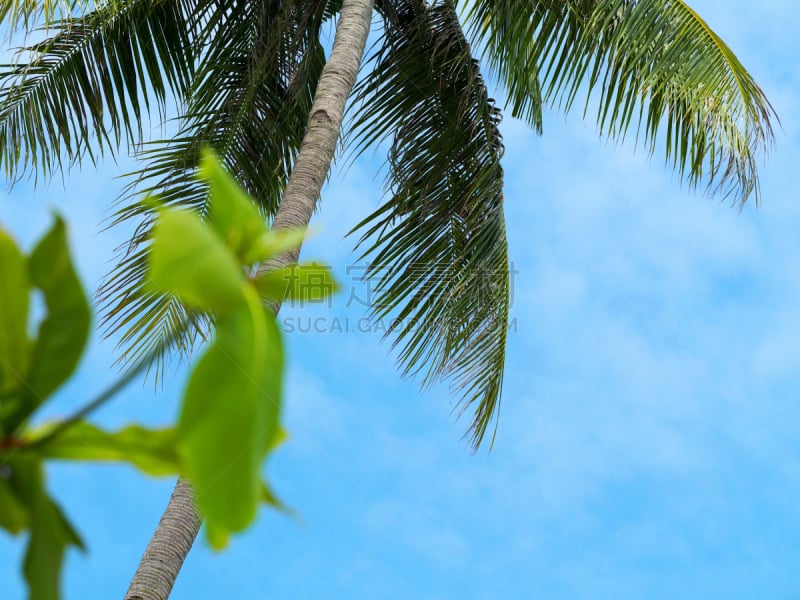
<point>653,67</point>
<point>437,246</point>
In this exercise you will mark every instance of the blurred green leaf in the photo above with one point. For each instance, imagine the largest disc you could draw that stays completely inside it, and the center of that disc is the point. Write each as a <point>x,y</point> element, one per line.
<point>275,243</point>
<point>150,450</point>
<point>14,298</point>
<point>65,328</point>
<point>233,213</point>
<point>190,261</point>
<point>230,418</point>
<point>51,533</point>
<point>14,515</point>
<point>267,496</point>
<point>306,283</point>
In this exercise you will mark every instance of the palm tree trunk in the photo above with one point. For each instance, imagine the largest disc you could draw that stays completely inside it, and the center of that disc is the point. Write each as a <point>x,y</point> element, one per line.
<point>324,122</point>
<point>168,547</point>
<point>175,534</point>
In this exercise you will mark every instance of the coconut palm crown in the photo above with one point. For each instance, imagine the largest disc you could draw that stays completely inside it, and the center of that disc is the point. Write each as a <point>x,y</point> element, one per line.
<point>243,73</point>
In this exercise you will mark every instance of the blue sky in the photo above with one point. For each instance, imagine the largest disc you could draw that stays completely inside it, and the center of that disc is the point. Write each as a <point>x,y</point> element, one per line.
<point>648,444</point>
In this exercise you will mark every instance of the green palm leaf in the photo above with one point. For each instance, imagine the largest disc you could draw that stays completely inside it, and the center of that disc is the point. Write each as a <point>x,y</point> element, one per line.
<point>25,14</point>
<point>83,89</point>
<point>656,68</point>
<point>437,246</point>
<point>251,95</point>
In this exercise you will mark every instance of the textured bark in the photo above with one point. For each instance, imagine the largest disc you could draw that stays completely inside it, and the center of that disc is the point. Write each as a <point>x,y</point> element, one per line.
<point>175,534</point>
<point>168,547</point>
<point>324,123</point>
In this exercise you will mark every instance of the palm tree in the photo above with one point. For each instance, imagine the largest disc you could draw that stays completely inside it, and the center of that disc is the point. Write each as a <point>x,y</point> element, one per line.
<point>244,74</point>
<point>175,533</point>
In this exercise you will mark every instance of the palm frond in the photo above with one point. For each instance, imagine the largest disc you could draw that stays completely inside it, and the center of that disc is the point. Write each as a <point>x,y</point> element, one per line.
<point>656,68</point>
<point>437,246</point>
<point>27,14</point>
<point>251,96</point>
<point>83,90</point>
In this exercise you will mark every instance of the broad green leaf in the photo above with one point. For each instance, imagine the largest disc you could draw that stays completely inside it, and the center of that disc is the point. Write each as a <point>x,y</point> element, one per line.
<point>266,495</point>
<point>14,298</point>
<point>150,450</point>
<point>190,261</point>
<point>278,437</point>
<point>275,243</point>
<point>233,212</point>
<point>14,515</point>
<point>50,535</point>
<point>229,418</point>
<point>65,328</point>
<point>305,283</point>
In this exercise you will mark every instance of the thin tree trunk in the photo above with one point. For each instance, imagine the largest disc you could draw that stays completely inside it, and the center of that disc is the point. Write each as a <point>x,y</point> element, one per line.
<point>175,534</point>
<point>324,122</point>
<point>168,547</point>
